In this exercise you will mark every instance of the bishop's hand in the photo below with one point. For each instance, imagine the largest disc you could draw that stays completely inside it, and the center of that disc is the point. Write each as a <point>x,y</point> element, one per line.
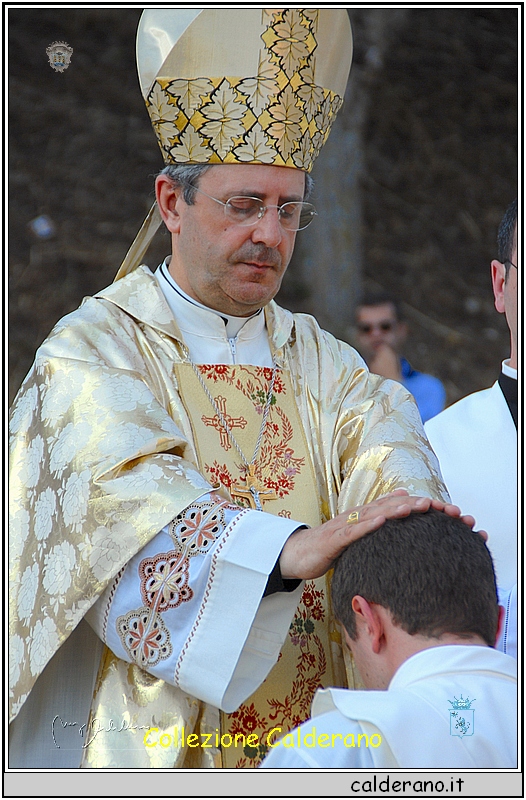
<point>309,553</point>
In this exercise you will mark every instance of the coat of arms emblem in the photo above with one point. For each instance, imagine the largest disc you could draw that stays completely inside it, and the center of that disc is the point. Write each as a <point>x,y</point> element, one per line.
<point>59,54</point>
<point>461,717</point>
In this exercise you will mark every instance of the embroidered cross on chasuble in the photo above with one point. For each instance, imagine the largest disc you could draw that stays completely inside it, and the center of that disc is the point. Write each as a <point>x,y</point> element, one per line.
<point>283,477</point>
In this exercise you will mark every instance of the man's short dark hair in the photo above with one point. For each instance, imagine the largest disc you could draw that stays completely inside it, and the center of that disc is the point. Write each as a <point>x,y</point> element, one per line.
<point>505,235</point>
<point>431,571</point>
<point>381,299</point>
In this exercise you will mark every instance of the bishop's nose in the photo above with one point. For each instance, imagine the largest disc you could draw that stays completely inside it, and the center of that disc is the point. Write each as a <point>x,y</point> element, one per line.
<point>268,229</point>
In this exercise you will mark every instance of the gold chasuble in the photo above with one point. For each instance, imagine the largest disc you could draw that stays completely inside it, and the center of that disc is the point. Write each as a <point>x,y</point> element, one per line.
<point>113,436</point>
<point>311,656</point>
<point>284,471</point>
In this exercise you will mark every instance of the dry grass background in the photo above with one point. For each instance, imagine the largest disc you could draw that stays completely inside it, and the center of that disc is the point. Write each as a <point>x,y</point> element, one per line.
<point>434,159</point>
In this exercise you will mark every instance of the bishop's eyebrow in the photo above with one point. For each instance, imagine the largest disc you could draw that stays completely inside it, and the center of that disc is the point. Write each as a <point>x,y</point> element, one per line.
<point>293,198</point>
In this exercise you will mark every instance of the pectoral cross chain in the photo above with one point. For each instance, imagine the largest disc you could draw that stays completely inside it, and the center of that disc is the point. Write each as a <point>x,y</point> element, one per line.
<point>224,423</point>
<point>253,489</point>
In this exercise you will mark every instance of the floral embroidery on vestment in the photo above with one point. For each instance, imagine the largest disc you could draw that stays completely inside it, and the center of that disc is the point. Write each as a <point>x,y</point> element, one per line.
<point>164,580</point>
<point>310,666</point>
<point>277,464</point>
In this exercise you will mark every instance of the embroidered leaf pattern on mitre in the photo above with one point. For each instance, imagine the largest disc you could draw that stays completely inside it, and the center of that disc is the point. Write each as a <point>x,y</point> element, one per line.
<point>303,155</point>
<point>255,147</point>
<point>311,14</point>
<point>286,130</point>
<point>311,94</point>
<point>162,113</point>
<point>225,113</point>
<point>260,88</point>
<point>324,116</point>
<point>190,93</point>
<point>190,149</point>
<point>291,46</point>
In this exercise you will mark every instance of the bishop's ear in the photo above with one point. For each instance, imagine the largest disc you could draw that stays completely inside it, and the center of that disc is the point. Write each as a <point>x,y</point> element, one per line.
<point>168,198</point>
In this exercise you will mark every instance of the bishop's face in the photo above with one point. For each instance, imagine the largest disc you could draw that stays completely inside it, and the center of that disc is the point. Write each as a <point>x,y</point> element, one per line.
<point>234,268</point>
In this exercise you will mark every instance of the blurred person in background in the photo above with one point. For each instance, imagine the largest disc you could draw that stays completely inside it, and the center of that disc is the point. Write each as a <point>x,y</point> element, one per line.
<point>381,334</point>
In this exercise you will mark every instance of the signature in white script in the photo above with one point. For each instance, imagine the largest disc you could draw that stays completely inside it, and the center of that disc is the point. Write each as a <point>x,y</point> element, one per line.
<point>93,728</point>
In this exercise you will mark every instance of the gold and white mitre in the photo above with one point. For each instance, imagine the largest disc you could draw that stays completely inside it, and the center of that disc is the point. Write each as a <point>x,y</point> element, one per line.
<point>240,86</point>
<point>243,86</point>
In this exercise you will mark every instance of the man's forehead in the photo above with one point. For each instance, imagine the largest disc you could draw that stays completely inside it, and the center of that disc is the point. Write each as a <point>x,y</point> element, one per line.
<point>380,310</point>
<point>256,179</point>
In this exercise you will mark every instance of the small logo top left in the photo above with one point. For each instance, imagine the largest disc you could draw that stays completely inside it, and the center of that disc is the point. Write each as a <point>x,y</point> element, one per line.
<point>59,54</point>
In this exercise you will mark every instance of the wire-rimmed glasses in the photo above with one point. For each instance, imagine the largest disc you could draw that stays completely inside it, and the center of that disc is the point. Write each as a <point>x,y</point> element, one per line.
<point>295,215</point>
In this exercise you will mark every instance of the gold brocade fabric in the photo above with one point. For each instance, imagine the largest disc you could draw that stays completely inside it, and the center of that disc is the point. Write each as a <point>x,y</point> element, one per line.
<point>131,714</point>
<point>103,457</point>
<point>284,469</point>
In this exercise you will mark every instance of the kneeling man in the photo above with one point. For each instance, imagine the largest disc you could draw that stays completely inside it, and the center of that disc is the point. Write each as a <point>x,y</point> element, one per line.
<point>418,603</point>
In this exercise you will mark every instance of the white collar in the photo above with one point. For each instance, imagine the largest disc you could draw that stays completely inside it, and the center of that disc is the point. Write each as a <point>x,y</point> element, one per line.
<point>509,371</point>
<point>195,318</point>
<point>443,658</point>
<point>422,666</point>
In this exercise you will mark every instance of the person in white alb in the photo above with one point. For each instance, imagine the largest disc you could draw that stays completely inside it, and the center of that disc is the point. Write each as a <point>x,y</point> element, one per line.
<point>418,603</point>
<point>476,440</point>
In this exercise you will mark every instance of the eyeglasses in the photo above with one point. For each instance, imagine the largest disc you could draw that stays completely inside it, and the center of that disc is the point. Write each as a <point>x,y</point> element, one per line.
<point>241,210</point>
<point>507,261</point>
<point>365,327</point>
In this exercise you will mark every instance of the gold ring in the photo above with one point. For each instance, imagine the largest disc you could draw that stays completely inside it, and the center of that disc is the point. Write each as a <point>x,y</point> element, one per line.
<point>353,517</point>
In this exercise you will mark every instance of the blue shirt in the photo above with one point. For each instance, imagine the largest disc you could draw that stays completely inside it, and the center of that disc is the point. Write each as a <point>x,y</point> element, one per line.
<point>428,391</point>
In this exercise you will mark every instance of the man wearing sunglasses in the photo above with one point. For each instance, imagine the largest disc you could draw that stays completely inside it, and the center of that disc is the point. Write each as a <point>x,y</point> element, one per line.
<point>381,332</point>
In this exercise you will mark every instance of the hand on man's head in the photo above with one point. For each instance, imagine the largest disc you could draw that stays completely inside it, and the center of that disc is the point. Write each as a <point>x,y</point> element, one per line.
<point>310,552</point>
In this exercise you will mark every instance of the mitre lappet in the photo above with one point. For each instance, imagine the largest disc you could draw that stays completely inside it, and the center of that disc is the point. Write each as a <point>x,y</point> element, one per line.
<point>240,86</point>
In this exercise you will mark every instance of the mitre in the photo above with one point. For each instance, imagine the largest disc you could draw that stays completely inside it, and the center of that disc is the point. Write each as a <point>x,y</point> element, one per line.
<point>240,86</point>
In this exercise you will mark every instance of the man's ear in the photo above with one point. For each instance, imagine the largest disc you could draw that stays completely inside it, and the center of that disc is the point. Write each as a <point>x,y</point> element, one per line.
<point>168,197</point>
<point>368,621</point>
<point>500,625</point>
<point>498,278</point>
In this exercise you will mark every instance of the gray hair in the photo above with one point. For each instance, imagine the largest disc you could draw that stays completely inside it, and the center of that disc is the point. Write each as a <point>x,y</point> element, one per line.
<point>188,176</point>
